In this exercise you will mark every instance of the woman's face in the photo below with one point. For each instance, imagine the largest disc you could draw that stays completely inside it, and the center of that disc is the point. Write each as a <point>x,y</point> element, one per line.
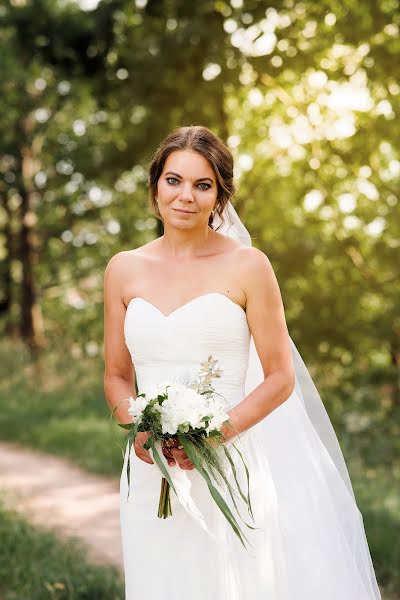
<point>187,190</point>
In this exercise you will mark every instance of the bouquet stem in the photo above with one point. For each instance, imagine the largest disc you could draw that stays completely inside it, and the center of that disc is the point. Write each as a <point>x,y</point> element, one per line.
<point>164,506</point>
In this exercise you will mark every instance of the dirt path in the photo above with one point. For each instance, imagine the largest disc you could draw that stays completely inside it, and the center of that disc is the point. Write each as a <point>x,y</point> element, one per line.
<point>51,492</point>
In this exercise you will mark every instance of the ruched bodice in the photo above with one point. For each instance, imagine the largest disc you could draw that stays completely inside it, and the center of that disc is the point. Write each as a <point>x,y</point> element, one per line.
<point>167,346</point>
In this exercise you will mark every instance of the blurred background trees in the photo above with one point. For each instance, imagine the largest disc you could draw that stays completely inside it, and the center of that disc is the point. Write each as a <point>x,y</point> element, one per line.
<point>306,96</point>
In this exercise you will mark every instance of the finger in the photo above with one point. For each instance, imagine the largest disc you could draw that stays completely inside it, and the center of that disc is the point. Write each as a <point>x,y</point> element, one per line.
<point>145,459</point>
<point>171,446</point>
<point>179,454</point>
<point>170,459</point>
<point>143,455</point>
<point>185,463</point>
<point>141,444</point>
<point>172,442</point>
<point>167,453</point>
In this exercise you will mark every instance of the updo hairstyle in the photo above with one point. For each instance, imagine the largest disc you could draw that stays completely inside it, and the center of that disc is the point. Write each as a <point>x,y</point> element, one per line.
<point>199,139</point>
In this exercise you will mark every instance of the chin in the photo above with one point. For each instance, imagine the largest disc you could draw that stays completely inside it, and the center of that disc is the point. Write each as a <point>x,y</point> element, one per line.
<point>180,225</point>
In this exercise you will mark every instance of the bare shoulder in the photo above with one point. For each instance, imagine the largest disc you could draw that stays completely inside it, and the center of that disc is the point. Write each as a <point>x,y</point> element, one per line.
<point>117,261</point>
<point>252,256</point>
<point>254,263</point>
<point>126,267</point>
<point>256,272</point>
<point>129,258</point>
<point>119,266</point>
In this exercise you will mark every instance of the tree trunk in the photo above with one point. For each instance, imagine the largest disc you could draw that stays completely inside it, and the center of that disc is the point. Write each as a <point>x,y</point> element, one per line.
<point>395,355</point>
<point>31,327</point>
<point>6,296</point>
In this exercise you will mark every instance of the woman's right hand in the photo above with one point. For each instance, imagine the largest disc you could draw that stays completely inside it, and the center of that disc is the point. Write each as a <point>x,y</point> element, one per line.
<point>141,452</point>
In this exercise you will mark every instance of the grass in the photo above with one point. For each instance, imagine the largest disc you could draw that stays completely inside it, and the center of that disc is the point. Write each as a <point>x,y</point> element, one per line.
<point>35,565</point>
<point>59,407</point>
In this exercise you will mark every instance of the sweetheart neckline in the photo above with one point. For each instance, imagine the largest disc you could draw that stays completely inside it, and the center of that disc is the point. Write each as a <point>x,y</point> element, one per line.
<point>186,304</point>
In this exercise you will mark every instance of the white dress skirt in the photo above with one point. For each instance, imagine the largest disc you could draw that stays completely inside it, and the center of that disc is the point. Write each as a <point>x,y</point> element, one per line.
<point>310,542</point>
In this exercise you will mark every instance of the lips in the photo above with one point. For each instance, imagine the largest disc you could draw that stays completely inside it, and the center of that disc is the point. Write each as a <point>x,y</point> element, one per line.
<point>185,212</point>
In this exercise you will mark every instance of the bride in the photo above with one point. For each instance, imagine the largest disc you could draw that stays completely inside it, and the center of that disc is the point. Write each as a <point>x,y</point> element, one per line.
<point>202,289</point>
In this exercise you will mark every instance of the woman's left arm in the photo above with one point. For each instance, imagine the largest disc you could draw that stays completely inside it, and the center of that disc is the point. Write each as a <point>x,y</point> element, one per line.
<point>267,323</point>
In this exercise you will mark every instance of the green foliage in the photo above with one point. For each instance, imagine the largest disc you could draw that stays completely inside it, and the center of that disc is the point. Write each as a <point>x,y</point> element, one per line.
<point>58,406</point>
<point>308,111</point>
<point>34,564</point>
<point>207,471</point>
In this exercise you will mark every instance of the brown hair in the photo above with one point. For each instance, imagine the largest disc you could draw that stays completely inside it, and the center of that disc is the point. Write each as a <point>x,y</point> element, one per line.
<point>202,140</point>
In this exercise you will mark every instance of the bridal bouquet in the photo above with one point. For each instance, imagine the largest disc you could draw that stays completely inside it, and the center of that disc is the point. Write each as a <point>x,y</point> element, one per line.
<point>191,412</point>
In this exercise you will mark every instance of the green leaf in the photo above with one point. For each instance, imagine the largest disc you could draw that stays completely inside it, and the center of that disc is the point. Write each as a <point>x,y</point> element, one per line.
<point>222,505</point>
<point>160,463</point>
<point>128,466</point>
<point>136,427</point>
<point>244,498</point>
<point>125,425</point>
<point>248,480</point>
<point>147,445</point>
<point>116,407</point>
<point>230,489</point>
<point>131,438</point>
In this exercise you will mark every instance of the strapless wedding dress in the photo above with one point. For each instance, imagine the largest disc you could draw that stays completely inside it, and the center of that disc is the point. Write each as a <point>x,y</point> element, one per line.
<point>302,550</point>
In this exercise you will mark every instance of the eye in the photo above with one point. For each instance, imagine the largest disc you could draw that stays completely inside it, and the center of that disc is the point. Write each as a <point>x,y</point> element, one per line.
<point>174,179</point>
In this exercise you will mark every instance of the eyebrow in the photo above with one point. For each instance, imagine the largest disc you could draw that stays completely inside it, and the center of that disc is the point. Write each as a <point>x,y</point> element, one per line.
<point>201,178</point>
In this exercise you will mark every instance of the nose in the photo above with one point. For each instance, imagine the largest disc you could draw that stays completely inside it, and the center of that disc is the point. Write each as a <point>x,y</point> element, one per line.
<point>187,194</point>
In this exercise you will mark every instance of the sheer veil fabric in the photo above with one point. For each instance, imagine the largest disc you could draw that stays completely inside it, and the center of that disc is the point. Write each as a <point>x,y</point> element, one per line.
<point>315,409</point>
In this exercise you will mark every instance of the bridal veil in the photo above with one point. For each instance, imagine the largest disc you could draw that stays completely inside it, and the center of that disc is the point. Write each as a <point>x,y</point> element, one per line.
<point>315,409</point>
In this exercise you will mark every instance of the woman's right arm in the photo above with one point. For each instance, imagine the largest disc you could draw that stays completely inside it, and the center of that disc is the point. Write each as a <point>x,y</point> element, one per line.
<point>119,373</point>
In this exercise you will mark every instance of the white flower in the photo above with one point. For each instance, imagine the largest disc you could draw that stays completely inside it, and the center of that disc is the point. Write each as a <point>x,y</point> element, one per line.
<point>185,408</point>
<point>216,422</point>
<point>216,404</point>
<point>169,426</point>
<point>137,406</point>
<point>151,391</point>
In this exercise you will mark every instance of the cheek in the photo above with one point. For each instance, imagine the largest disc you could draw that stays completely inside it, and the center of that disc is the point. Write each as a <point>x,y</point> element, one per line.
<point>207,201</point>
<point>166,191</point>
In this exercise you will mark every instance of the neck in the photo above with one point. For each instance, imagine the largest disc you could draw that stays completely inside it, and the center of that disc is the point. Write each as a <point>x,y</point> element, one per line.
<point>184,243</point>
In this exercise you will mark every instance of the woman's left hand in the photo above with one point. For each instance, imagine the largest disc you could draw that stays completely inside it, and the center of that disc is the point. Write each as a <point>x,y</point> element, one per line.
<point>174,453</point>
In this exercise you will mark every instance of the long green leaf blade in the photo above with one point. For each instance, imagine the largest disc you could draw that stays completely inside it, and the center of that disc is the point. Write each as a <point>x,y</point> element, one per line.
<point>248,479</point>
<point>161,465</point>
<point>214,492</point>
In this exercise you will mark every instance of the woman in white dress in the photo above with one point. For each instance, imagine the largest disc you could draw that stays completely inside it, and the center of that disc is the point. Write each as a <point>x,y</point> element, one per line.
<point>198,290</point>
